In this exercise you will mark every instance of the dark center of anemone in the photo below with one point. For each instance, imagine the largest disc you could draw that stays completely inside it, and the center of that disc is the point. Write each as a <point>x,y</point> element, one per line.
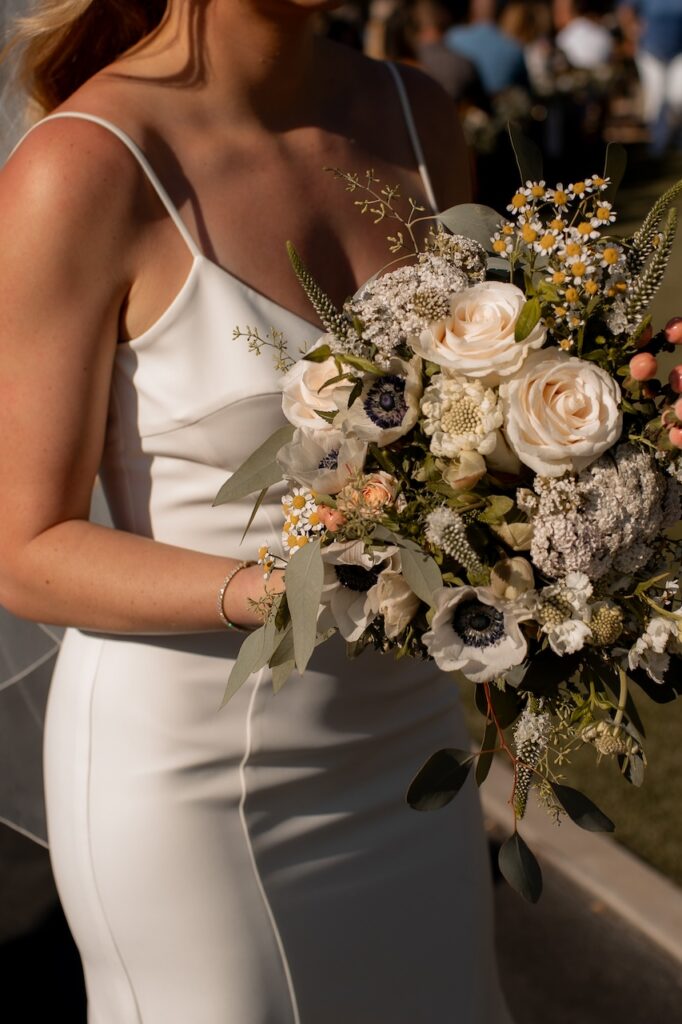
<point>478,624</point>
<point>355,577</point>
<point>330,460</point>
<point>385,402</point>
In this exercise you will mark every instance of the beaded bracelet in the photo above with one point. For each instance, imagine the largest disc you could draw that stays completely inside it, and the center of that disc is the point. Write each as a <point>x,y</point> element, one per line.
<point>221,597</point>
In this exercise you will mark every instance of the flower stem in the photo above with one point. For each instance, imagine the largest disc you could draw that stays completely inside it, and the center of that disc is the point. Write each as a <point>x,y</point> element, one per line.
<point>622,697</point>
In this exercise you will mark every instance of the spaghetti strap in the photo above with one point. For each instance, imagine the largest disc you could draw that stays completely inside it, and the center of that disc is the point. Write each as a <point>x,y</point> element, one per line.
<point>414,137</point>
<point>142,161</point>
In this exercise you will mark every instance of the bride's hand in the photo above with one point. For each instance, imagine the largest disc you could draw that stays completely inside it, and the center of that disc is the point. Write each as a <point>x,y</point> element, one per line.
<point>246,598</point>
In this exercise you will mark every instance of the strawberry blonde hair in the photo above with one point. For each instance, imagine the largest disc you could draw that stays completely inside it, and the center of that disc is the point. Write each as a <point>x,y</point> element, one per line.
<point>62,43</point>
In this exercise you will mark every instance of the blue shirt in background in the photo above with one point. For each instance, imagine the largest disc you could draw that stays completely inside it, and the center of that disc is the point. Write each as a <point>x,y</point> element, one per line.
<point>497,58</point>
<point>662,26</point>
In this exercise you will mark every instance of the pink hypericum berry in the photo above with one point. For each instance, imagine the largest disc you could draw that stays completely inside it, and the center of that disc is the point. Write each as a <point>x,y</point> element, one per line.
<point>643,366</point>
<point>675,435</point>
<point>673,330</point>
<point>675,379</point>
<point>678,408</point>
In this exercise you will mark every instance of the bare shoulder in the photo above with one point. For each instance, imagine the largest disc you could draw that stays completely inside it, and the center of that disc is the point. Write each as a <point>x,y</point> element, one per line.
<point>435,115</point>
<point>69,180</point>
<point>440,134</point>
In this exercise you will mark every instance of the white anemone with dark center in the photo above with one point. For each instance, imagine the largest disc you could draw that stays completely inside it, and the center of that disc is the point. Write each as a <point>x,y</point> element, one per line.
<point>322,460</point>
<point>351,578</point>
<point>388,407</point>
<point>476,633</point>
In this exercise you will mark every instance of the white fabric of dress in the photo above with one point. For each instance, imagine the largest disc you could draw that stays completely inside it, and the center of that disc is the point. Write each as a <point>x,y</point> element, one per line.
<point>256,864</point>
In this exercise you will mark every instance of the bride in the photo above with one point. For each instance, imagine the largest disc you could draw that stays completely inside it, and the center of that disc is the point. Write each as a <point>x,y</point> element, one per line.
<point>257,864</point>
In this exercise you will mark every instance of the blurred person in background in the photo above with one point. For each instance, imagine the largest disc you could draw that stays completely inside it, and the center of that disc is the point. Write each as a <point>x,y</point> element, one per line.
<point>584,39</point>
<point>497,56</point>
<point>654,28</point>
<point>414,34</point>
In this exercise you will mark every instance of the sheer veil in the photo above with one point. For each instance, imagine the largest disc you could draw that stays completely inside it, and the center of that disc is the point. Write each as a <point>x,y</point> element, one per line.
<point>27,650</point>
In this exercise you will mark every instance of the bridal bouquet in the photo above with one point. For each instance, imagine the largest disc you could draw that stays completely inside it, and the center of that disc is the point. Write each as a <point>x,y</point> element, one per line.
<point>483,468</point>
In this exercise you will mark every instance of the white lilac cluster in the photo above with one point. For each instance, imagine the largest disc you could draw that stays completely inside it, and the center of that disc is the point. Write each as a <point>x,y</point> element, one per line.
<point>405,302</point>
<point>651,651</point>
<point>607,520</point>
<point>460,415</point>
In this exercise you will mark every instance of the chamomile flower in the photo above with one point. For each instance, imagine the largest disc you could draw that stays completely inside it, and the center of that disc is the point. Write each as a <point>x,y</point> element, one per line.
<point>598,183</point>
<point>502,244</point>
<point>611,256</point>
<point>603,214</point>
<point>587,229</point>
<point>519,203</point>
<point>267,560</point>
<point>546,242</point>
<point>559,197</point>
<point>535,189</point>
<point>580,189</point>
<point>578,269</point>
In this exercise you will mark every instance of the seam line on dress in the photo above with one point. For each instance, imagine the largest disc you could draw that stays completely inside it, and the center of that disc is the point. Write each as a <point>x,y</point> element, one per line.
<point>88,834</point>
<point>252,856</point>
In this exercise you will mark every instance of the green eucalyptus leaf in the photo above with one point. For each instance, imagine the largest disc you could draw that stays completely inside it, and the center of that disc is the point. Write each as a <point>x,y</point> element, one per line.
<point>632,767</point>
<point>473,221</point>
<point>507,704</point>
<point>257,504</point>
<point>497,507</point>
<point>529,317</point>
<point>260,470</point>
<point>280,674</point>
<point>520,868</point>
<point>421,572</point>
<point>581,810</point>
<point>614,168</point>
<point>485,760</point>
<point>358,363</point>
<point>303,579</point>
<point>528,155</point>
<point>318,354</point>
<point>439,780</point>
<point>254,653</point>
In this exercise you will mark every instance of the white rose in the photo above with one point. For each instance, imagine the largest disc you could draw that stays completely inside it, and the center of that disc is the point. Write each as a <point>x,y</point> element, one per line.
<point>393,599</point>
<point>560,412</point>
<point>477,339</point>
<point>304,392</point>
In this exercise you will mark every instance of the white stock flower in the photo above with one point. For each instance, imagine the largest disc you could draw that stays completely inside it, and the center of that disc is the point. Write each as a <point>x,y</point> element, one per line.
<point>460,415</point>
<point>392,598</point>
<point>304,392</point>
<point>650,651</point>
<point>349,590</point>
<point>322,460</point>
<point>477,339</point>
<point>476,633</point>
<point>388,407</point>
<point>560,412</point>
<point>563,613</point>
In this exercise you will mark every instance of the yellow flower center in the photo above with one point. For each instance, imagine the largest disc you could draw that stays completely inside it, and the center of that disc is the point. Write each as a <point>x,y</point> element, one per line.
<point>537,191</point>
<point>579,269</point>
<point>462,417</point>
<point>557,224</point>
<point>591,287</point>
<point>603,213</point>
<point>579,188</point>
<point>572,294</point>
<point>584,228</point>
<point>547,241</point>
<point>573,249</point>
<point>299,501</point>
<point>518,200</point>
<point>508,229</point>
<point>560,197</point>
<point>610,255</point>
<point>528,233</point>
<point>558,277</point>
<point>499,245</point>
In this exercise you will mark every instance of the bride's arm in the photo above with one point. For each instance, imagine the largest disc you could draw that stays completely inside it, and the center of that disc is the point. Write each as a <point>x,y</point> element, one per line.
<point>69,227</point>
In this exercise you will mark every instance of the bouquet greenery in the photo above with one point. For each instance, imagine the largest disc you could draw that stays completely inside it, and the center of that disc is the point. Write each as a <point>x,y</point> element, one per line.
<point>483,469</point>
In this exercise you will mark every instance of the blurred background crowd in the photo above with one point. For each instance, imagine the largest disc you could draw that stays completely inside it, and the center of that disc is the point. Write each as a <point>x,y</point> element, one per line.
<point>574,73</point>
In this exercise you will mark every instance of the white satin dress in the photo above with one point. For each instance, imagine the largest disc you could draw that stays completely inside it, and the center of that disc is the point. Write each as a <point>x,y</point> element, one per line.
<point>256,864</point>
